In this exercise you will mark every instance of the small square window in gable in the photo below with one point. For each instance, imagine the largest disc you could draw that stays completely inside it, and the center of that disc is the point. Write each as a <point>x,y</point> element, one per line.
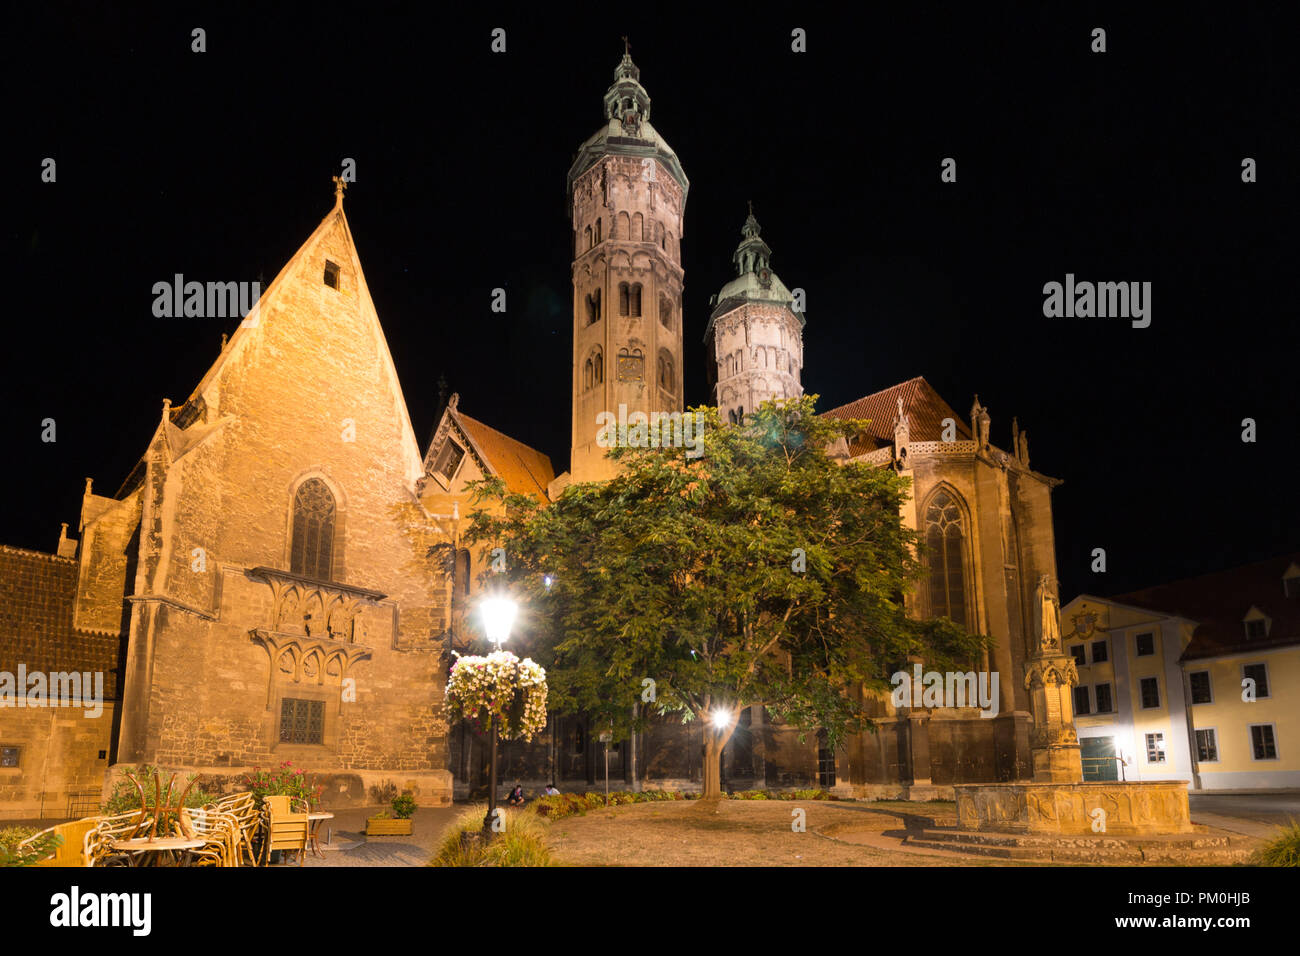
<point>449,460</point>
<point>331,274</point>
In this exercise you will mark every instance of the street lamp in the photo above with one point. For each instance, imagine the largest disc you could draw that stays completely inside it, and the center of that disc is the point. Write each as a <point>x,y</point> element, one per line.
<point>498,617</point>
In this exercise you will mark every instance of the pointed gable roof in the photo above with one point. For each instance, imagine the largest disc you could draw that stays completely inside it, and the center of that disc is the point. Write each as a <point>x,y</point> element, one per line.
<point>923,406</point>
<point>525,470</point>
<point>334,232</point>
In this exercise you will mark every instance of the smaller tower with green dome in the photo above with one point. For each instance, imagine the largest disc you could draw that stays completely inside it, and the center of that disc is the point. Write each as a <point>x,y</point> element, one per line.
<point>755,332</point>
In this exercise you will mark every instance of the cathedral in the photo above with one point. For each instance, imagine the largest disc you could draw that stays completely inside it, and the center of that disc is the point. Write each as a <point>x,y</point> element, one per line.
<point>282,575</point>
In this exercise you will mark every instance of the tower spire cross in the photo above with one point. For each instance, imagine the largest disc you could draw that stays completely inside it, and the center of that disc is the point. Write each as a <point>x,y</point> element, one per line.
<point>627,47</point>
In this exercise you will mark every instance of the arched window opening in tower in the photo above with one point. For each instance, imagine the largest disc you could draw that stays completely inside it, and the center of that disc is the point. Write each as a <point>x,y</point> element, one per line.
<point>597,232</point>
<point>665,312</point>
<point>624,297</point>
<point>586,235</point>
<point>312,547</point>
<point>944,541</point>
<point>635,304</point>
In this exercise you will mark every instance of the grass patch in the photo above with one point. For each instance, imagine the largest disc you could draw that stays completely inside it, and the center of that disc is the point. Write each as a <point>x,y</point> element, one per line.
<point>1282,850</point>
<point>521,843</point>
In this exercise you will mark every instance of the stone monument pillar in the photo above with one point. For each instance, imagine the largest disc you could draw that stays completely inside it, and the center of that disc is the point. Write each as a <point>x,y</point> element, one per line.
<point>1050,675</point>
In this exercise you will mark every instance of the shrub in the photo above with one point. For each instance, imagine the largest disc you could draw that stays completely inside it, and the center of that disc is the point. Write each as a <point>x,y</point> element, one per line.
<point>10,837</point>
<point>283,781</point>
<point>126,798</point>
<point>404,806</point>
<point>521,843</point>
<point>1282,850</point>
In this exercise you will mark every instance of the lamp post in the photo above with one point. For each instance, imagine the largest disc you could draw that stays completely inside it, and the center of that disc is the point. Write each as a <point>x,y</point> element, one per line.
<point>498,617</point>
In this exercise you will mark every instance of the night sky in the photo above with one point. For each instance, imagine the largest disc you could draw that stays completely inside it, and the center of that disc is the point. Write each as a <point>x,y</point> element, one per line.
<point>1122,166</point>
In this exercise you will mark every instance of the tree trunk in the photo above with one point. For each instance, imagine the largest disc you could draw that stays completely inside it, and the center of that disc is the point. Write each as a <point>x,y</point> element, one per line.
<point>714,742</point>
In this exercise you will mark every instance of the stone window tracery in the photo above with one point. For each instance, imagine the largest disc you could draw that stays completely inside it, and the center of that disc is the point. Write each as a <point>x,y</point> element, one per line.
<point>945,556</point>
<point>314,512</point>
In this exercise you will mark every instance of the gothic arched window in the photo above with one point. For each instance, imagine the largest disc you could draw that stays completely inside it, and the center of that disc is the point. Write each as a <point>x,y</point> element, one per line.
<point>667,380</point>
<point>586,235</point>
<point>599,359</point>
<point>598,239</point>
<point>312,550</point>
<point>945,550</point>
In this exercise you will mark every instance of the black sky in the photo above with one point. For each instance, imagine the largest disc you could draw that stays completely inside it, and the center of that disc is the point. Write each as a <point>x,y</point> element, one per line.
<point>1120,166</point>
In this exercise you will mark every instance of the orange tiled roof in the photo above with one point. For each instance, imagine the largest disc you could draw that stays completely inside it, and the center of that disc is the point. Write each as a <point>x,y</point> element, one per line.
<point>1218,602</point>
<point>525,470</point>
<point>924,408</point>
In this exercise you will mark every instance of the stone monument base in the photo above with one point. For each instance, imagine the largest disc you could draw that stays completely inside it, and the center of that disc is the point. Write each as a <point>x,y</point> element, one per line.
<point>1138,808</point>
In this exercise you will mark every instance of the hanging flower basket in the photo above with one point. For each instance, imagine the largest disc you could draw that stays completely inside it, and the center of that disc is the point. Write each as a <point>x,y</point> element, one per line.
<point>500,684</point>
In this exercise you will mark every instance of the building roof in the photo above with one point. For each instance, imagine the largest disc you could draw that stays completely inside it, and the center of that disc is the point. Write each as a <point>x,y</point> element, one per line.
<point>525,470</point>
<point>37,598</point>
<point>922,405</point>
<point>1219,602</point>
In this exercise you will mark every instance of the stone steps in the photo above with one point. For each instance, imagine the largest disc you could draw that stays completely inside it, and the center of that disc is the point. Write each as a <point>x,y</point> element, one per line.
<point>1194,849</point>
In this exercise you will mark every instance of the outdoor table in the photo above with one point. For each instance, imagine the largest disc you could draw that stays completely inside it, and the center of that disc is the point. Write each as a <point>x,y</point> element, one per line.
<point>139,846</point>
<point>313,829</point>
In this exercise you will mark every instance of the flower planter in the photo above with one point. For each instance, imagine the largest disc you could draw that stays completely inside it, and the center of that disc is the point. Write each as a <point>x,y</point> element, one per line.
<point>387,826</point>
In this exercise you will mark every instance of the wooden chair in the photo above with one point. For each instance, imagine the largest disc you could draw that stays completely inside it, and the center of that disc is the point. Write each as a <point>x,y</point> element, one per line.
<point>286,826</point>
<point>248,819</point>
<point>69,852</point>
<point>97,847</point>
<point>219,830</point>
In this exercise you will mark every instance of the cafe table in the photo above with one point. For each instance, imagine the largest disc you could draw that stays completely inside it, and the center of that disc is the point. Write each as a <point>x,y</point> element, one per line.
<point>314,821</point>
<point>142,848</point>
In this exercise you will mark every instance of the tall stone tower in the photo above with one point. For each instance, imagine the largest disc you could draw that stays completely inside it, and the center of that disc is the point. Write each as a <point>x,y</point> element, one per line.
<point>755,333</point>
<point>627,198</point>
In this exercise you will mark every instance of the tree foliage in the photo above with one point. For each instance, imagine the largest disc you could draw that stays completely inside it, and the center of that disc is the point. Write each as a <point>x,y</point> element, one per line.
<point>761,572</point>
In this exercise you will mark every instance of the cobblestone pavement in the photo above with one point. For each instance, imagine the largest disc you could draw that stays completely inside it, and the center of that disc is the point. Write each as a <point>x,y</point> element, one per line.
<point>349,846</point>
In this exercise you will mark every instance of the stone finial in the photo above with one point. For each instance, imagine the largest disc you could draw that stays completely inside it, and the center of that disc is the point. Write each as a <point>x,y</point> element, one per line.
<point>339,185</point>
<point>453,401</point>
<point>89,482</point>
<point>224,339</point>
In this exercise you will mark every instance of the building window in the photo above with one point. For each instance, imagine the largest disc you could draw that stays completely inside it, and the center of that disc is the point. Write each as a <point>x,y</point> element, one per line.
<point>1076,651</point>
<point>331,274</point>
<point>1146,644</point>
<point>312,551</point>
<point>586,235</point>
<point>1104,703</point>
<point>577,740</point>
<point>825,762</point>
<point>1150,692</point>
<point>1263,743</point>
<point>624,297</point>
<point>1201,690</point>
<point>1291,586</point>
<point>944,548</point>
<point>1155,748</point>
<point>1099,653</point>
<point>1207,747</point>
<point>598,236</point>
<point>593,307</point>
<point>665,312</point>
<point>634,302</point>
<point>9,756</point>
<point>302,721</point>
<point>462,581</point>
<point>449,459</point>
<point>1081,701</point>
<point>667,380</point>
<point>1256,629</point>
<point>1259,674</point>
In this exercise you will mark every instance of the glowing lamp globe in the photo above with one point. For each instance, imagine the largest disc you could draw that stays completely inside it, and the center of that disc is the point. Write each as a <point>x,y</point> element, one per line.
<point>498,617</point>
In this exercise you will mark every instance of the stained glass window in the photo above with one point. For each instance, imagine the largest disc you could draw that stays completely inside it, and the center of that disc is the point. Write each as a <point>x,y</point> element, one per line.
<point>313,530</point>
<point>943,539</point>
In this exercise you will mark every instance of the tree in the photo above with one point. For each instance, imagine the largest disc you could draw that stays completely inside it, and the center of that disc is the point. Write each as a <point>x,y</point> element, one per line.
<point>762,571</point>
